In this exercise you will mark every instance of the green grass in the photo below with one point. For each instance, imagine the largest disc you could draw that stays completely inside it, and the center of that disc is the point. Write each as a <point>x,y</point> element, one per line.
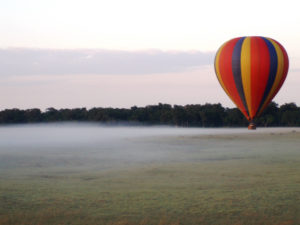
<point>246,179</point>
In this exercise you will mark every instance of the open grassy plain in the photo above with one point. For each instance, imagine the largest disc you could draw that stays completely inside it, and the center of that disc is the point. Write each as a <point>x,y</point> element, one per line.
<point>188,179</point>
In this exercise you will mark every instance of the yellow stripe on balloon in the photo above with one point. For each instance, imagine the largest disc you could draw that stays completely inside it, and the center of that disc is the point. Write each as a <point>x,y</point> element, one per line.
<point>246,72</point>
<point>279,75</point>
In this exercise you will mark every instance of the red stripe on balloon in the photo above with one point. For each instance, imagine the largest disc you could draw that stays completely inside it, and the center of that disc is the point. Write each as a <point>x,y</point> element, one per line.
<point>285,68</point>
<point>260,66</point>
<point>225,68</point>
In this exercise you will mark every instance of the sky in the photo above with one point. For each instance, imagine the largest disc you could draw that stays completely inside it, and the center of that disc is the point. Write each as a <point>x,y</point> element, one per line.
<point>116,53</point>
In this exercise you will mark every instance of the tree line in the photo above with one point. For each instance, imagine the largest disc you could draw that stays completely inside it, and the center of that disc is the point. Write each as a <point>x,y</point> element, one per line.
<point>207,115</point>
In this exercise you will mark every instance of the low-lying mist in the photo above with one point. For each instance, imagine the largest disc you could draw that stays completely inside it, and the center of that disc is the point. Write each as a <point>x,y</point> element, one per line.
<point>99,146</point>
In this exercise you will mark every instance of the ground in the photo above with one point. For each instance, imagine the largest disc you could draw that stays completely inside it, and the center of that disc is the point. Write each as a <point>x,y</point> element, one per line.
<point>248,178</point>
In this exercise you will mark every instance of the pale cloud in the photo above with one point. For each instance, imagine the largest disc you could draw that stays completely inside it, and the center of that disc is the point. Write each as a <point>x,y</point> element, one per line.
<point>27,61</point>
<point>104,78</point>
<point>194,86</point>
<point>197,86</point>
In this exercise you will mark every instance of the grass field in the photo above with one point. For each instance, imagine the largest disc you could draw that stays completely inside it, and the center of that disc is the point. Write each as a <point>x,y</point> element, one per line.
<point>197,179</point>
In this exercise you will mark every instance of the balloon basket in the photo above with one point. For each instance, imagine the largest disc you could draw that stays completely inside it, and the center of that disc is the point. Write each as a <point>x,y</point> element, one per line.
<point>252,126</point>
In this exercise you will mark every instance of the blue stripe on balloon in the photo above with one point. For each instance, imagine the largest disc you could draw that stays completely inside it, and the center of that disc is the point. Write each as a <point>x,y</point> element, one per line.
<point>236,70</point>
<point>272,72</point>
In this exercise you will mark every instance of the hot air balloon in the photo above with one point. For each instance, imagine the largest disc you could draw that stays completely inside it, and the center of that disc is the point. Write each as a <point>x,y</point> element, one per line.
<point>251,70</point>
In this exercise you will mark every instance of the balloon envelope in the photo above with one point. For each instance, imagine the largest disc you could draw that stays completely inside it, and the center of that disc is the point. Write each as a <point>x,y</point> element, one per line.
<point>251,71</point>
